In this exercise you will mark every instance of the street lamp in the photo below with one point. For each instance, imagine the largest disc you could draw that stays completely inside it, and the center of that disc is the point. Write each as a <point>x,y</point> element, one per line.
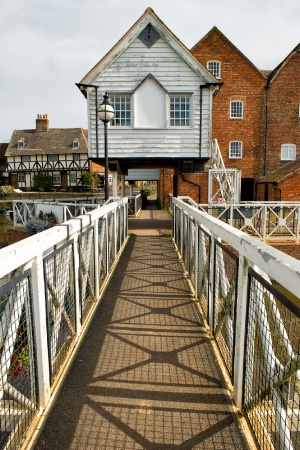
<point>105,113</point>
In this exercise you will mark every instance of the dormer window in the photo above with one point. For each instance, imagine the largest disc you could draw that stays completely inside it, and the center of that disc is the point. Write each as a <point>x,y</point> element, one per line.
<point>76,143</point>
<point>215,68</point>
<point>21,143</point>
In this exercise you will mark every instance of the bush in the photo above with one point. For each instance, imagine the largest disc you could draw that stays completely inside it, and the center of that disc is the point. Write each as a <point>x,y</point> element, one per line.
<point>6,190</point>
<point>42,182</point>
<point>87,179</point>
<point>41,223</point>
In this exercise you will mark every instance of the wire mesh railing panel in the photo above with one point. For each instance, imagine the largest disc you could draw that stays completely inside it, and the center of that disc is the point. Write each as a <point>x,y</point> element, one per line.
<point>204,243</point>
<point>60,304</point>
<point>86,271</point>
<point>18,386</point>
<point>272,366</point>
<point>225,283</point>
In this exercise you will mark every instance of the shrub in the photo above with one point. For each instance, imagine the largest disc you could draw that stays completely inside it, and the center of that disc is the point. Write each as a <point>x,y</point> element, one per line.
<point>6,190</point>
<point>87,179</point>
<point>42,182</point>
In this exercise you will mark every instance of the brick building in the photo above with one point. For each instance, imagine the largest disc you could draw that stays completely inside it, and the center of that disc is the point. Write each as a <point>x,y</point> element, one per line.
<point>256,118</point>
<point>281,180</point>
<point>238,108</point>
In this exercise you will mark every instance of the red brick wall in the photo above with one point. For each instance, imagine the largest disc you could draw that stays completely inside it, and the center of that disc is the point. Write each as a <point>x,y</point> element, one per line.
<point>242,81</point>
<point>283,111</point>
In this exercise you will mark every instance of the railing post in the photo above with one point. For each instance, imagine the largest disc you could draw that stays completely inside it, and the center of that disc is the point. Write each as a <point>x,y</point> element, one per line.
<point>196,258</point>
<point>211,284</point>
<point>77,286</point>
<point>40,330</point>
<point>241,320</point>
<point>96,259</point>
<point>298,224</point>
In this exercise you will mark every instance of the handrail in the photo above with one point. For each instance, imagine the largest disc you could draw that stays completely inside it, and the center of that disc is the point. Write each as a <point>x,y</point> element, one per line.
<point>50,285</point>
<point>256,325</point>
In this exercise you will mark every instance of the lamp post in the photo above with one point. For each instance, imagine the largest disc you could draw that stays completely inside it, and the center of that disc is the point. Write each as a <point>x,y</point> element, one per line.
<point>105,114</point>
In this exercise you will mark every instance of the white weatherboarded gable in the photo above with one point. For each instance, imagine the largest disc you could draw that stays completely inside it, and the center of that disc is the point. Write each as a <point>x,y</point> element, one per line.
<point>150,75</point>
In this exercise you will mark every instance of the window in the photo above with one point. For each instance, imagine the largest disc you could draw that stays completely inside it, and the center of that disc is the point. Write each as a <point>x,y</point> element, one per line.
<point>236,109</point>
<point>215,68</point>
<point>76,157</point>
<point>73,178</point>
<point>56,178</point>
<point>288,152</point>
<point>235,149</point>
<point>122,107</point>
<point>52,157</point>
<point>21,143</point>
<point>21,176</point>
<point>76,144</point>
<point>25,158</point>
<point>180,110</point>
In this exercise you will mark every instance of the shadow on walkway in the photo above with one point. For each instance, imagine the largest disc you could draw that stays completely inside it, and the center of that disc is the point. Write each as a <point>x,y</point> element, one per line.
<point>145,376</point>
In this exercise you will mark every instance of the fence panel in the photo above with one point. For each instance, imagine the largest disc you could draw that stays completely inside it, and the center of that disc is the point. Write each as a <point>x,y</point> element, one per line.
<point>18,384</point>
<point>272,368</point>
<point>60,305</point>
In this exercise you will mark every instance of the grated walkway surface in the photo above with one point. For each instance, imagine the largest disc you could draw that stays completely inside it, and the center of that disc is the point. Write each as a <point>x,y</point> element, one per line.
<point>145,376</point>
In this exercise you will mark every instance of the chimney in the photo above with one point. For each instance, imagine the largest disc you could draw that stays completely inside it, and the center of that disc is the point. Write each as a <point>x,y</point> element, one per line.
<point>42,123</point>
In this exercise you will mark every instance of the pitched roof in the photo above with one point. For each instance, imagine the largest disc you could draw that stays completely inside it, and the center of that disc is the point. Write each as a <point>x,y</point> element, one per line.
<point>277,69</point>
<point>149,16</point>
<point>283,172</point>
<point>53,141</point>
<point>216,29</point>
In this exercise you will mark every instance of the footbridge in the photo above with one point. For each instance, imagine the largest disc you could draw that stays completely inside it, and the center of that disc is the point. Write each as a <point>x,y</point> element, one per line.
<point>158,332</point>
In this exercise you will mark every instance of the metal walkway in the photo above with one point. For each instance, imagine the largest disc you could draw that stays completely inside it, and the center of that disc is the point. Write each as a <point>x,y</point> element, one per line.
<point>146,375</point>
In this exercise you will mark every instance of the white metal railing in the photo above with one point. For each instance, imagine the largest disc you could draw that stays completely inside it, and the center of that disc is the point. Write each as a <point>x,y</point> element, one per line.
<point>222,183</point>
<point>264,220</point>
<point>249,295</point>
<point>24,210</point>
<point>50,284</point>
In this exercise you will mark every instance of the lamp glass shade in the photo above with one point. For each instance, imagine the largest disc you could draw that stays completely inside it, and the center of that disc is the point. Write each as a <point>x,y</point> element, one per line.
<point>105,111</point>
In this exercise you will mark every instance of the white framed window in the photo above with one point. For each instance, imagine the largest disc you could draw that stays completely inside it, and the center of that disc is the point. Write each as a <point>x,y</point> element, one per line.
<point>25,158</point>
<point>21,143</point>
<point>73,179</point>
<point>21,176</point>
<point>235,149</point>
<point>236,109</point>
<point>122,107</point>
<point>56,178</point>
<point>288,152</point>
<point>76,143</point>
<point>180,110</point>
<point>53,157</point>
<point>215,68</point>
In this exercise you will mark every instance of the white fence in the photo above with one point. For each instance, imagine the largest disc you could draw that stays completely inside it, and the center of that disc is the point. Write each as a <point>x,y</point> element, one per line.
<point>265,221</point>
<point>24,210</point>
<point>249,295</point>
<point>50,285</point>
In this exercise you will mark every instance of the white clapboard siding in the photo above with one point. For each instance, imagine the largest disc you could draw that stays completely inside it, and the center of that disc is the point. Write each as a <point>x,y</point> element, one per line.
<point>123,76</point>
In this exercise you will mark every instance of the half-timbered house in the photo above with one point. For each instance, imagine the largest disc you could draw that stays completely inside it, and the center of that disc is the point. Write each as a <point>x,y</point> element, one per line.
<point>61,153</point>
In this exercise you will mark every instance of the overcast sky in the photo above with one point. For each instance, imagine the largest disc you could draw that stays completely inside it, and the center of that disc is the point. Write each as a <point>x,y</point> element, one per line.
<point>46,46</point>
